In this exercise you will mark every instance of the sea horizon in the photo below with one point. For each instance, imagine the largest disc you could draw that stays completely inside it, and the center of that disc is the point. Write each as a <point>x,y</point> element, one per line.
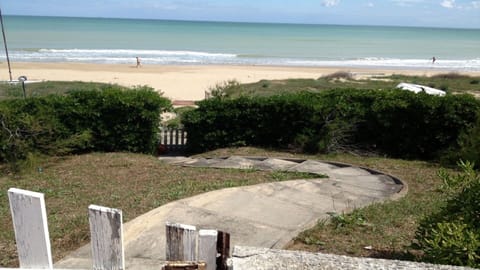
<point>245,22</point>
<point>182,42</point>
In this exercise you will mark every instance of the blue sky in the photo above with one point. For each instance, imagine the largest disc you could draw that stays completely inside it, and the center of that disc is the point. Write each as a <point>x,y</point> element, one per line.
<point>432,13</point>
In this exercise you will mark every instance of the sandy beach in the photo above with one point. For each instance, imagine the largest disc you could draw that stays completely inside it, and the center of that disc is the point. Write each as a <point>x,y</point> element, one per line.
<point>180,82</point>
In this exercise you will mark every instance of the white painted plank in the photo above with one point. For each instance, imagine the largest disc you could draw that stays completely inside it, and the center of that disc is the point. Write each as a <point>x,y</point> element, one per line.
<point>181,242</point>
<point>43,269</point>
<point>29,217</point>
<point>106,230</point>
<point>207,248</point>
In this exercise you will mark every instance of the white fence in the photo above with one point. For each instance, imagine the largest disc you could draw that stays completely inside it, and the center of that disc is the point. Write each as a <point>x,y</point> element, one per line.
<point>208,249</point>
<point>172,139</point>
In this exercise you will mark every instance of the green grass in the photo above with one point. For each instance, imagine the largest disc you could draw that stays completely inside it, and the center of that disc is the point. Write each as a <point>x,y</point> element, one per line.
<point>451,82</point>
<point>132,182</point>
<point>138,183</point>
<point>386,229</point>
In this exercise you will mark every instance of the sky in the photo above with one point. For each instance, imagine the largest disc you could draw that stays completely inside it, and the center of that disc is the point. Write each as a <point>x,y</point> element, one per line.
<point>428,13</point>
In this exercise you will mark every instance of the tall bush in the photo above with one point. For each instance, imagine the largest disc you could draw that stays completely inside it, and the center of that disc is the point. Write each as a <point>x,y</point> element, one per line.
<point>108,120</point>
<point>396,123</point>
<point>271,122</point>
<point>469,145</point>
<point>452,235</point>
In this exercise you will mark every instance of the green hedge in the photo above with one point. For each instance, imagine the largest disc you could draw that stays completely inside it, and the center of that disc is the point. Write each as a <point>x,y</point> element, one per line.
<point>108,120</point>
<point>273,122</point>
<point>396,123</point>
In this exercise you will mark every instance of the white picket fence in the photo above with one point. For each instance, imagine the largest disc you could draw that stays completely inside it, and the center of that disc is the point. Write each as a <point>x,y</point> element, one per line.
<point>106,228</point>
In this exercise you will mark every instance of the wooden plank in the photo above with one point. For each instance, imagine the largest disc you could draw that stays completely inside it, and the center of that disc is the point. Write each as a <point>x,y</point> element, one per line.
<point>181,242</point>
<point>223,249</point>
<point>165,136</point>
<point>183,137</point>
<point>185,266</point>
<point>44,268</point>
<point>207,248</point>
<point>106,229</point>
<point>29,217</point>
<point>171,137</point>
<point>177,139</point>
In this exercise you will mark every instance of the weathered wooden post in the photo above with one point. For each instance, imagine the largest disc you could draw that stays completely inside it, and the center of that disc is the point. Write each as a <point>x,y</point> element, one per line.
<point>29,217</point>
<point>181,242</point>
<point>223,249</point>
<point>207,248</point>
<point>106,230</point>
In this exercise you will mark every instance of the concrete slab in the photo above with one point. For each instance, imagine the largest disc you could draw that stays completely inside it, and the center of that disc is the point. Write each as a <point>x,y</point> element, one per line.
<point>274,164</point>
<point>312,166</point>
<point>349,171</point>
<point>235,162</point>
<point>247,258</point>
<point>382,183</point>
<point>175,159</point>
<point>266,215</point>
<point>201,162</point>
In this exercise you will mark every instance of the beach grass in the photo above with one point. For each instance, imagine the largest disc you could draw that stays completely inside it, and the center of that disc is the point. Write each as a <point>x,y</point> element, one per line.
<point>451,82</point>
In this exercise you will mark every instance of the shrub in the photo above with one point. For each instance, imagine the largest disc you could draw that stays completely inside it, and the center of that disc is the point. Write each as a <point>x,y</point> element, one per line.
<point>396,123</point>
<point>118,120</point>
<point>451,75</point>
<point>222,90</point>
<point>452,235</point>
<point>468,145</point>
<point>108,120</point>
<point>273,121</point>
<point>339,75</point>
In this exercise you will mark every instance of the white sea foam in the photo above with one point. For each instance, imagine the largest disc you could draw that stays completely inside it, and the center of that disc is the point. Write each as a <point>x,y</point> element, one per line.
<point>121,52</point>
<point>465,65</point>
<point>123,56</point>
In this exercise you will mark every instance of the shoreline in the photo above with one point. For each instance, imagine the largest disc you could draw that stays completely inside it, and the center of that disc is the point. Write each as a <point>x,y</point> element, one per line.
<point>188,82</point>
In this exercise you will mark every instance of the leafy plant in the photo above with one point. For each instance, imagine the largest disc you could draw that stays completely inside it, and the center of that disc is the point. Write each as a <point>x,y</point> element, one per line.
<point>80,121</point>
<point>221,90</point>
<point>342,220</point>
<point>393,123</point>
<point>452,235</point>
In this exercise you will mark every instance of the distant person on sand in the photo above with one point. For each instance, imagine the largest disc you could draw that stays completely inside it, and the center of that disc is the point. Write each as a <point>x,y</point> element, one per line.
<point>433,60</point>
<point>139,64</point>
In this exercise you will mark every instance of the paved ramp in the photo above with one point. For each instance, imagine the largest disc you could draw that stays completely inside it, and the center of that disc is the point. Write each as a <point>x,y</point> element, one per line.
<point>265,215</point>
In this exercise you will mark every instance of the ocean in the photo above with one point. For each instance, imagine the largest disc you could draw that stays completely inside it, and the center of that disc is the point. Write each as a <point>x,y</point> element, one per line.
<point>102,40</point>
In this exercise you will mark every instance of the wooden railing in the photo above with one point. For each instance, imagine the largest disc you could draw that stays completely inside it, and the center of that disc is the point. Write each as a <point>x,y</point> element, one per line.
<point>186,248</point>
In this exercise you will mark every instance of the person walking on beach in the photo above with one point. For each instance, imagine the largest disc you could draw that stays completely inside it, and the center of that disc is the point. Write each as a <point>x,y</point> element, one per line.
<point>433,60</point>
<point>139,64</point>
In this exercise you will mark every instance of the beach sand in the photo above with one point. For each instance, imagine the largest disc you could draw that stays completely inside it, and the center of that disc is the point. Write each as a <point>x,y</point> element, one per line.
<point>180,82</point>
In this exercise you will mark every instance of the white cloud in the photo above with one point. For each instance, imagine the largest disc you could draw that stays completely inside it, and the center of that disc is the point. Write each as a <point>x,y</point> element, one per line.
<point>448,3</point>
<point>330,3</point>
<point>370,4</point>
<point>406,3</point>
<point>476,4</point>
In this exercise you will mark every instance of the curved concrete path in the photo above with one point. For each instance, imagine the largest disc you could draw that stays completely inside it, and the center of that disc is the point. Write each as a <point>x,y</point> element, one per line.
<point>265,215</point>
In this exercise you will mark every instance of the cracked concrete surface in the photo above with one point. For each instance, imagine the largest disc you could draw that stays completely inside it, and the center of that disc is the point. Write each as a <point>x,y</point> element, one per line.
<point>266,215</point>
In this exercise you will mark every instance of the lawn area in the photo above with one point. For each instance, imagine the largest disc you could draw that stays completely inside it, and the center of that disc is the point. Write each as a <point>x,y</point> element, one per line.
<point>138,183</point>
<point>383,230</point>
<point>132,182</point>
